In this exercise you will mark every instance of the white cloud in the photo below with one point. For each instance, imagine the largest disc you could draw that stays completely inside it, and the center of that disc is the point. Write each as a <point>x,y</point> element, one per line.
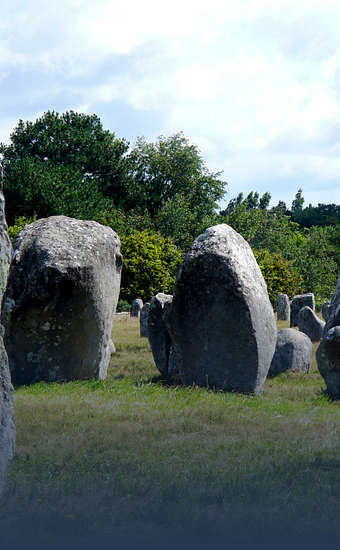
<point>254,83</point>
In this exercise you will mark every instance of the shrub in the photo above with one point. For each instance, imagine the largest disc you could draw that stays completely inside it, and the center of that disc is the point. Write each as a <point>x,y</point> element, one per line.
<point>278,276</point>
<point>150,265</point>
<point>19,224</point>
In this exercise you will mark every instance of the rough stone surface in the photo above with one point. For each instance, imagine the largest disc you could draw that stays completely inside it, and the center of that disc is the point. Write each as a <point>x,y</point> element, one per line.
<point>298,302</point>
<point>221,322</point>
<point>325,310</point>
<point>60,300</point>
<point>7,426</point>
<point>310,324</point>
<point>328,353</point>
<point>293,352</point>
<point>5,246</point>
<point>136,307</point>
<point>282,307</point>
<point>158,334</point>
<point>143,320</point>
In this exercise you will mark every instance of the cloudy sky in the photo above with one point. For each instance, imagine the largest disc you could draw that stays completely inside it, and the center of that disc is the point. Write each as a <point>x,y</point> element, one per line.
<point>254,83</point>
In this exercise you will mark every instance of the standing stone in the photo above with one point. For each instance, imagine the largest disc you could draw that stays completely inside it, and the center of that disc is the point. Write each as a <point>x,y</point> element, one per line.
<point>221,322</point>
<point>5,246</point>
<point>60,300</point>
<point>158,334</point>
<point>298,302</point>
<point>293,352</point>
<point>310,324</point>
<point>325,310</point>
<point>282,307</point>
<point>143,320</point>
<point>7,426</point>
<point>136,307</point>
<point>328,353</point>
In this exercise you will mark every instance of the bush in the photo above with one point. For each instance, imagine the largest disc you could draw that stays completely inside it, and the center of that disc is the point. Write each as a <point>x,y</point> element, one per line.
<point>122,305</point>
<point>278,276</point>
<point>19,224</point>
<point>150,265</point>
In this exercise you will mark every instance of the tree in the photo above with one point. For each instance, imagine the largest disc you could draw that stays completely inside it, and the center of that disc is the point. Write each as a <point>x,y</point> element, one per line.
<point>168,168</point>
<point>71,146</point>
<point>297,206</point>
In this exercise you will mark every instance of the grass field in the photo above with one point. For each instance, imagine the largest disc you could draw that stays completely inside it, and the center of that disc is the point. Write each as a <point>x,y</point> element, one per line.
<point>132,455</point>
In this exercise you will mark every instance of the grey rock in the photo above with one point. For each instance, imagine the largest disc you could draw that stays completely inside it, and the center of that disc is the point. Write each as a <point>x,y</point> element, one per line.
<point>136,307</point>
<point>7,426</point>
<point>158,334</point>
<point>293,352</point>
<point>328,352</point>
<point>221,322</point>
<point>282,307</point>
<point>298,302</point>
<point>112,347</point>
<point>325,310</point>
<point>310,324</point>
<point>143,320</point>
<point>5,246</point>
<point>60,300</point>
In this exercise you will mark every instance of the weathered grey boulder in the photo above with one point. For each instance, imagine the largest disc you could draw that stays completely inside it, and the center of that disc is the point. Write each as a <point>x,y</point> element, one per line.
<point>310,324</point>
<point>298,302</point>
<point>282,307</point>
<point>7,426</point>
<point>328,352</point>
<point>293,352</point>
<point>143,320</point>
<point>60,300</point>
<point>221,322</point>
<point>136,307</point>
<point>5,245</point>
<point>158,334</point>
<point>325,310</point>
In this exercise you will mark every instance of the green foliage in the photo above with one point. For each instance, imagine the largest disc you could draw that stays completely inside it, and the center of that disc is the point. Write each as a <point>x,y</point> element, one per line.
<point>316,263</point>
<point>63,162</point>
<point>18,225</point>
<point>122,305</point>
<point>279,278</point>
<point>150,265</point>
<point>169,168</point>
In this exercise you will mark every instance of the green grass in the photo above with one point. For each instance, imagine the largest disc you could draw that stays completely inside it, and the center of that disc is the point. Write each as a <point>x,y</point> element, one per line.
<point>131,454</point>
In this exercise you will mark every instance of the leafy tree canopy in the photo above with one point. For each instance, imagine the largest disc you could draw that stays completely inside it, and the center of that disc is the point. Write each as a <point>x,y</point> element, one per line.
<point>169,168</point>
<point>77,145</point>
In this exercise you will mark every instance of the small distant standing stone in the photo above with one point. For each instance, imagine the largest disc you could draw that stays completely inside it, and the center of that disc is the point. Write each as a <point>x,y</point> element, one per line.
<point>282,307</point>
<point>136,307</point>
<point>293,352</point>
<point>325,310</point>
<point>310,324</point>
<point>143,320</point>
<point>298,302</point>
<point>158,334</point>
<point>328,353</point>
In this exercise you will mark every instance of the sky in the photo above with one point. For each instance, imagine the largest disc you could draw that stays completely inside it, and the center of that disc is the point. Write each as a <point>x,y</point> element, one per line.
<point>255,84</point>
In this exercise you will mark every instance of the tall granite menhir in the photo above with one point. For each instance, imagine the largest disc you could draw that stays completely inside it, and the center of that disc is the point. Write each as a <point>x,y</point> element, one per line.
<point>328,353</point>
<point>7,426</point>
<point>221,322</point>
<point>60,300</point>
